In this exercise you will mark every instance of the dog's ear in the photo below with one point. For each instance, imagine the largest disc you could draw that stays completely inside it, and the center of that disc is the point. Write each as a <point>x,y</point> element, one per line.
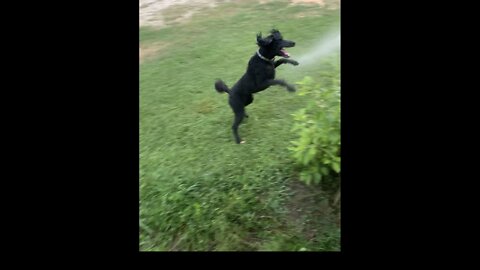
<point>276,33</point>
<point>259,38</point>
<point>263,41</point>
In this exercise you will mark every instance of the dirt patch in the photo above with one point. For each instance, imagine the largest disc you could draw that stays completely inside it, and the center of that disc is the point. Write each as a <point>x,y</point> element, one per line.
<point>160,13</point>
<point>310,13</point>
<point>151,50</point>
<point>319,2</point>
<point>296,2</point>
<point>328,4</point>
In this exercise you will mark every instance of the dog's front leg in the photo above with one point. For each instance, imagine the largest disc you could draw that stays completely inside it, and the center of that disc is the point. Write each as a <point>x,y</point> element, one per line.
<point>285,61</point>
<point>269,83</point>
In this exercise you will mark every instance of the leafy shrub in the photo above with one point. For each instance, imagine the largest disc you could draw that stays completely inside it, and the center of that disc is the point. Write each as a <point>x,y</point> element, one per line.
<point>317,149</point>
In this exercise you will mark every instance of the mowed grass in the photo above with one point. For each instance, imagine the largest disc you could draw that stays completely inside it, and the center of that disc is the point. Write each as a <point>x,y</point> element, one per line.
<point>199,191</point>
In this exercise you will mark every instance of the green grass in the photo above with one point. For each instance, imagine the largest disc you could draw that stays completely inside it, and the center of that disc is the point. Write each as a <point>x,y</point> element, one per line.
<point>199,190</point>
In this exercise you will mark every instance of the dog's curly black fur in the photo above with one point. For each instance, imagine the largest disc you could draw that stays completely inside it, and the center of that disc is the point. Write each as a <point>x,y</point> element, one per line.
<point>259,76</point>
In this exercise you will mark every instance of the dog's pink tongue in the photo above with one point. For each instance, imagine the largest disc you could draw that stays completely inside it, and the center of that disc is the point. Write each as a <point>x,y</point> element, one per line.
<point>285,53</point>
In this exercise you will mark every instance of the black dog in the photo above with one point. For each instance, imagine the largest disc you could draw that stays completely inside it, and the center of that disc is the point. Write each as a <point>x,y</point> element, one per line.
<point>259,76</point>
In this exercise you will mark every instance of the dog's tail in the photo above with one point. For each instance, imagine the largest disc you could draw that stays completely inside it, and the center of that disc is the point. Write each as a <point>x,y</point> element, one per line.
<point>221,87</point>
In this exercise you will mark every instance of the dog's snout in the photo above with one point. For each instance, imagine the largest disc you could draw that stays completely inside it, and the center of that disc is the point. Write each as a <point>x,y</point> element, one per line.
<point>290,44</point>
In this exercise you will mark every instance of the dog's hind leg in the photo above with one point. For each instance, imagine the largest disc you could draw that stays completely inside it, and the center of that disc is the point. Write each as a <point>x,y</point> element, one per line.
<point>236,122</point>
<point>248,101</point>
<point>237,104</point>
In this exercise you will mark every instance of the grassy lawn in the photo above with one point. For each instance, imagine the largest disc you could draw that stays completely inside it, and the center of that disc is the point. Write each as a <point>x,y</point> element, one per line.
<point>199,191</point>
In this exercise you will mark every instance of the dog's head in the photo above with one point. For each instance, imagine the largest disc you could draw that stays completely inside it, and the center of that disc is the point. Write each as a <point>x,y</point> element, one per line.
<point>274,44</point>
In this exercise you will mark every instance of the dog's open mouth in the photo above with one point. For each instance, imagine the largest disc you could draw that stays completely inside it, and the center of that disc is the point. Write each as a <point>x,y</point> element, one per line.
<point>284,53</point>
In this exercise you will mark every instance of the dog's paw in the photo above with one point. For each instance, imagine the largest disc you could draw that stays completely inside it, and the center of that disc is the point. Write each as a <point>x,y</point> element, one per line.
<point>291,88</point>
<point>242,142</point>
<point>293,62</point>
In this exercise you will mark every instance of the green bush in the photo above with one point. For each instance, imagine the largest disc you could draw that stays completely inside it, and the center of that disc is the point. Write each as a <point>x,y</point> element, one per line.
<point>317,149</point>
